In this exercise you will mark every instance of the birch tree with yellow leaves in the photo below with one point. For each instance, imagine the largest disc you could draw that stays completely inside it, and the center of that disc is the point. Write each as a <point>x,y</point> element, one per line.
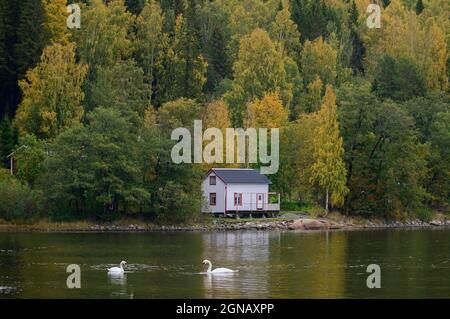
<point>328,170</point>
<point>52,93</point>
<point>259,69</point>
<point>216,116</point>
<point>267,112</point>
<point>285,32</point>
<point>56,20</point>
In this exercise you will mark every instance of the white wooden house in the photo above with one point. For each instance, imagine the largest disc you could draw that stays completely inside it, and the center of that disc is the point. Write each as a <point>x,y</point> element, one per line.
<point>238,192</point>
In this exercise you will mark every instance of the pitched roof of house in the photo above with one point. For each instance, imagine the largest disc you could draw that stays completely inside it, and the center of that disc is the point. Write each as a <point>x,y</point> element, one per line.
<point>241,175</point>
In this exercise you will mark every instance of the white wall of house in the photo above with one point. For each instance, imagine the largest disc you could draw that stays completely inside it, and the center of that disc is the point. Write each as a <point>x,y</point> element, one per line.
<point>249,193</point>
<point>219,189</point>
<point>225,196</point>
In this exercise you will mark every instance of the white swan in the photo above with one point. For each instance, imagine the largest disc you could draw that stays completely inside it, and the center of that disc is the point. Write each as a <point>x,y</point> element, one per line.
<point>117,270</point>
<point>217,270</point>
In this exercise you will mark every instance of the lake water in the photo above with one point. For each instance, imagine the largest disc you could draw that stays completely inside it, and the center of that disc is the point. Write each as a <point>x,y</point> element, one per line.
<point>414,263</point>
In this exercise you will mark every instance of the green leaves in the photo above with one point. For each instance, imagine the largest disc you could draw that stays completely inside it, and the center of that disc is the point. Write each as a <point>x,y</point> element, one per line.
<point>29,156</point>
<point>137,69</point>
<point>151,46</point>
<point>188,65</point>
<point>432,120</point>
<point>7,140</point>
<point>94,166</point>
<point>398,80</point>
<point>286,32</point>
<point>384,157</point>
<point>259,70</point>
<point>104,38</point>
<point>319,58</point>
<point>122,87</point>
<point>31,35</point>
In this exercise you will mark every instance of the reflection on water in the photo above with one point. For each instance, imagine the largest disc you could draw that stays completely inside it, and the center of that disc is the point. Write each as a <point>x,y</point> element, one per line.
<point>414,263</point>
<point>243,251</point>
<point>7,290</point>
<point>216,285</point>
<point>117,278</point>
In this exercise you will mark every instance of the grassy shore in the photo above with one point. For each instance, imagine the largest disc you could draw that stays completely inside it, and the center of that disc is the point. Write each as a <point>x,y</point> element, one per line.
<point>48,225</point>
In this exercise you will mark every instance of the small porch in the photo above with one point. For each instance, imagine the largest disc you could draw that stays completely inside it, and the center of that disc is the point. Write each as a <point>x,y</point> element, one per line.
<point>257,208</point>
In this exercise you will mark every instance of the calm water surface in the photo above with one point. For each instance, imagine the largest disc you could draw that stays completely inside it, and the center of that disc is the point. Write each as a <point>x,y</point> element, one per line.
<point>414,263</point>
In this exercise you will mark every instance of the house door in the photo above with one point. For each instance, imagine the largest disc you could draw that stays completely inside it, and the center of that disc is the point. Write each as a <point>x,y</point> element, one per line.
<point>259,201</point>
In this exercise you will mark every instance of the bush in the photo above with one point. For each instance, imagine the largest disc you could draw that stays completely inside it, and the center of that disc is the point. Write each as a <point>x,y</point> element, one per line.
<point>424,214</point>
<point>177,205</point>
<point>317,212</point>
<point>295,206</point>
<point>4,173</point>
<point>17,201</point>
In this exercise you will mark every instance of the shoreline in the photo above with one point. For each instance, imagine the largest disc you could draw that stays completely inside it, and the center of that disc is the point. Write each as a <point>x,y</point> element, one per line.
<point>302,224</point>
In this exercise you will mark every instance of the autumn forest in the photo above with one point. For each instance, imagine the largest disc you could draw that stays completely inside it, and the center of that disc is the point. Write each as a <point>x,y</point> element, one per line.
<point>363,112</point>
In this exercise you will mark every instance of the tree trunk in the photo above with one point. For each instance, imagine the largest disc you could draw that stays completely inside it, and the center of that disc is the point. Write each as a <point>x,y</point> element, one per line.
<point>326,204</point>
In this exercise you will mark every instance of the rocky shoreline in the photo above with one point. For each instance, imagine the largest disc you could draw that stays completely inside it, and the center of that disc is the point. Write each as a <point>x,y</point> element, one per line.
<point>302,224</point>
<point>322,224</point>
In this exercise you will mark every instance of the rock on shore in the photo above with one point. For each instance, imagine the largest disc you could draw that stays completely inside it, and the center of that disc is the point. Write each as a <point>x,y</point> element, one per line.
<point>314,224</point>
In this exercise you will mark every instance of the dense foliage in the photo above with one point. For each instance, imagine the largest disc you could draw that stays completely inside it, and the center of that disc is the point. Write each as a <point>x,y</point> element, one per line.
<point>364,113</point>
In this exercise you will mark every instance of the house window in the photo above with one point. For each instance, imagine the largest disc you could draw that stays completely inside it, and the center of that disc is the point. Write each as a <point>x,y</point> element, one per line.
<point>212,180</point>
<point>237,199</point>
<point>212,199</point>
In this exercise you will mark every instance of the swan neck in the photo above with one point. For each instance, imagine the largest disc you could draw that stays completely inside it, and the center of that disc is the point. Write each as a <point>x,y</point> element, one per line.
<point>209,266</point>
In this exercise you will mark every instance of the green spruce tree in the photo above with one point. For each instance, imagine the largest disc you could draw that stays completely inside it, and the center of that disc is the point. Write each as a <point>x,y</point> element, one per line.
<point>358,48</point>
<point>419,7</point>
<point>9,92</point>
<point>7,141</point>
<point>31,35</point>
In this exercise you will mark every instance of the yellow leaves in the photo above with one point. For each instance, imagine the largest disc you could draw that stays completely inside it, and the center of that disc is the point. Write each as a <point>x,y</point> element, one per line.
<point>104,36</point>
<point>178,113</point>
<point>260,68</point>
<point>319,58</point>
<point>285,32</point>
<point>56,20</point>
<point>436,58</point>
<point>328,111</point>
<point>199,71</point>
<point>298,149</point>
<point>258,56</point>
<point>244,16</point>
<point>52,93</point>
<point>150,22</point>
<point>313,96</point>
<point>150,117</point>
<point>315,86</point>
<point>48,126</point>
<point>419,38</point>
<point>179,29</point>
<point>362,5</point>
<point>328,169</point>
<point>241,22</point>
<point>268,112</point>
<point>216,115</point>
